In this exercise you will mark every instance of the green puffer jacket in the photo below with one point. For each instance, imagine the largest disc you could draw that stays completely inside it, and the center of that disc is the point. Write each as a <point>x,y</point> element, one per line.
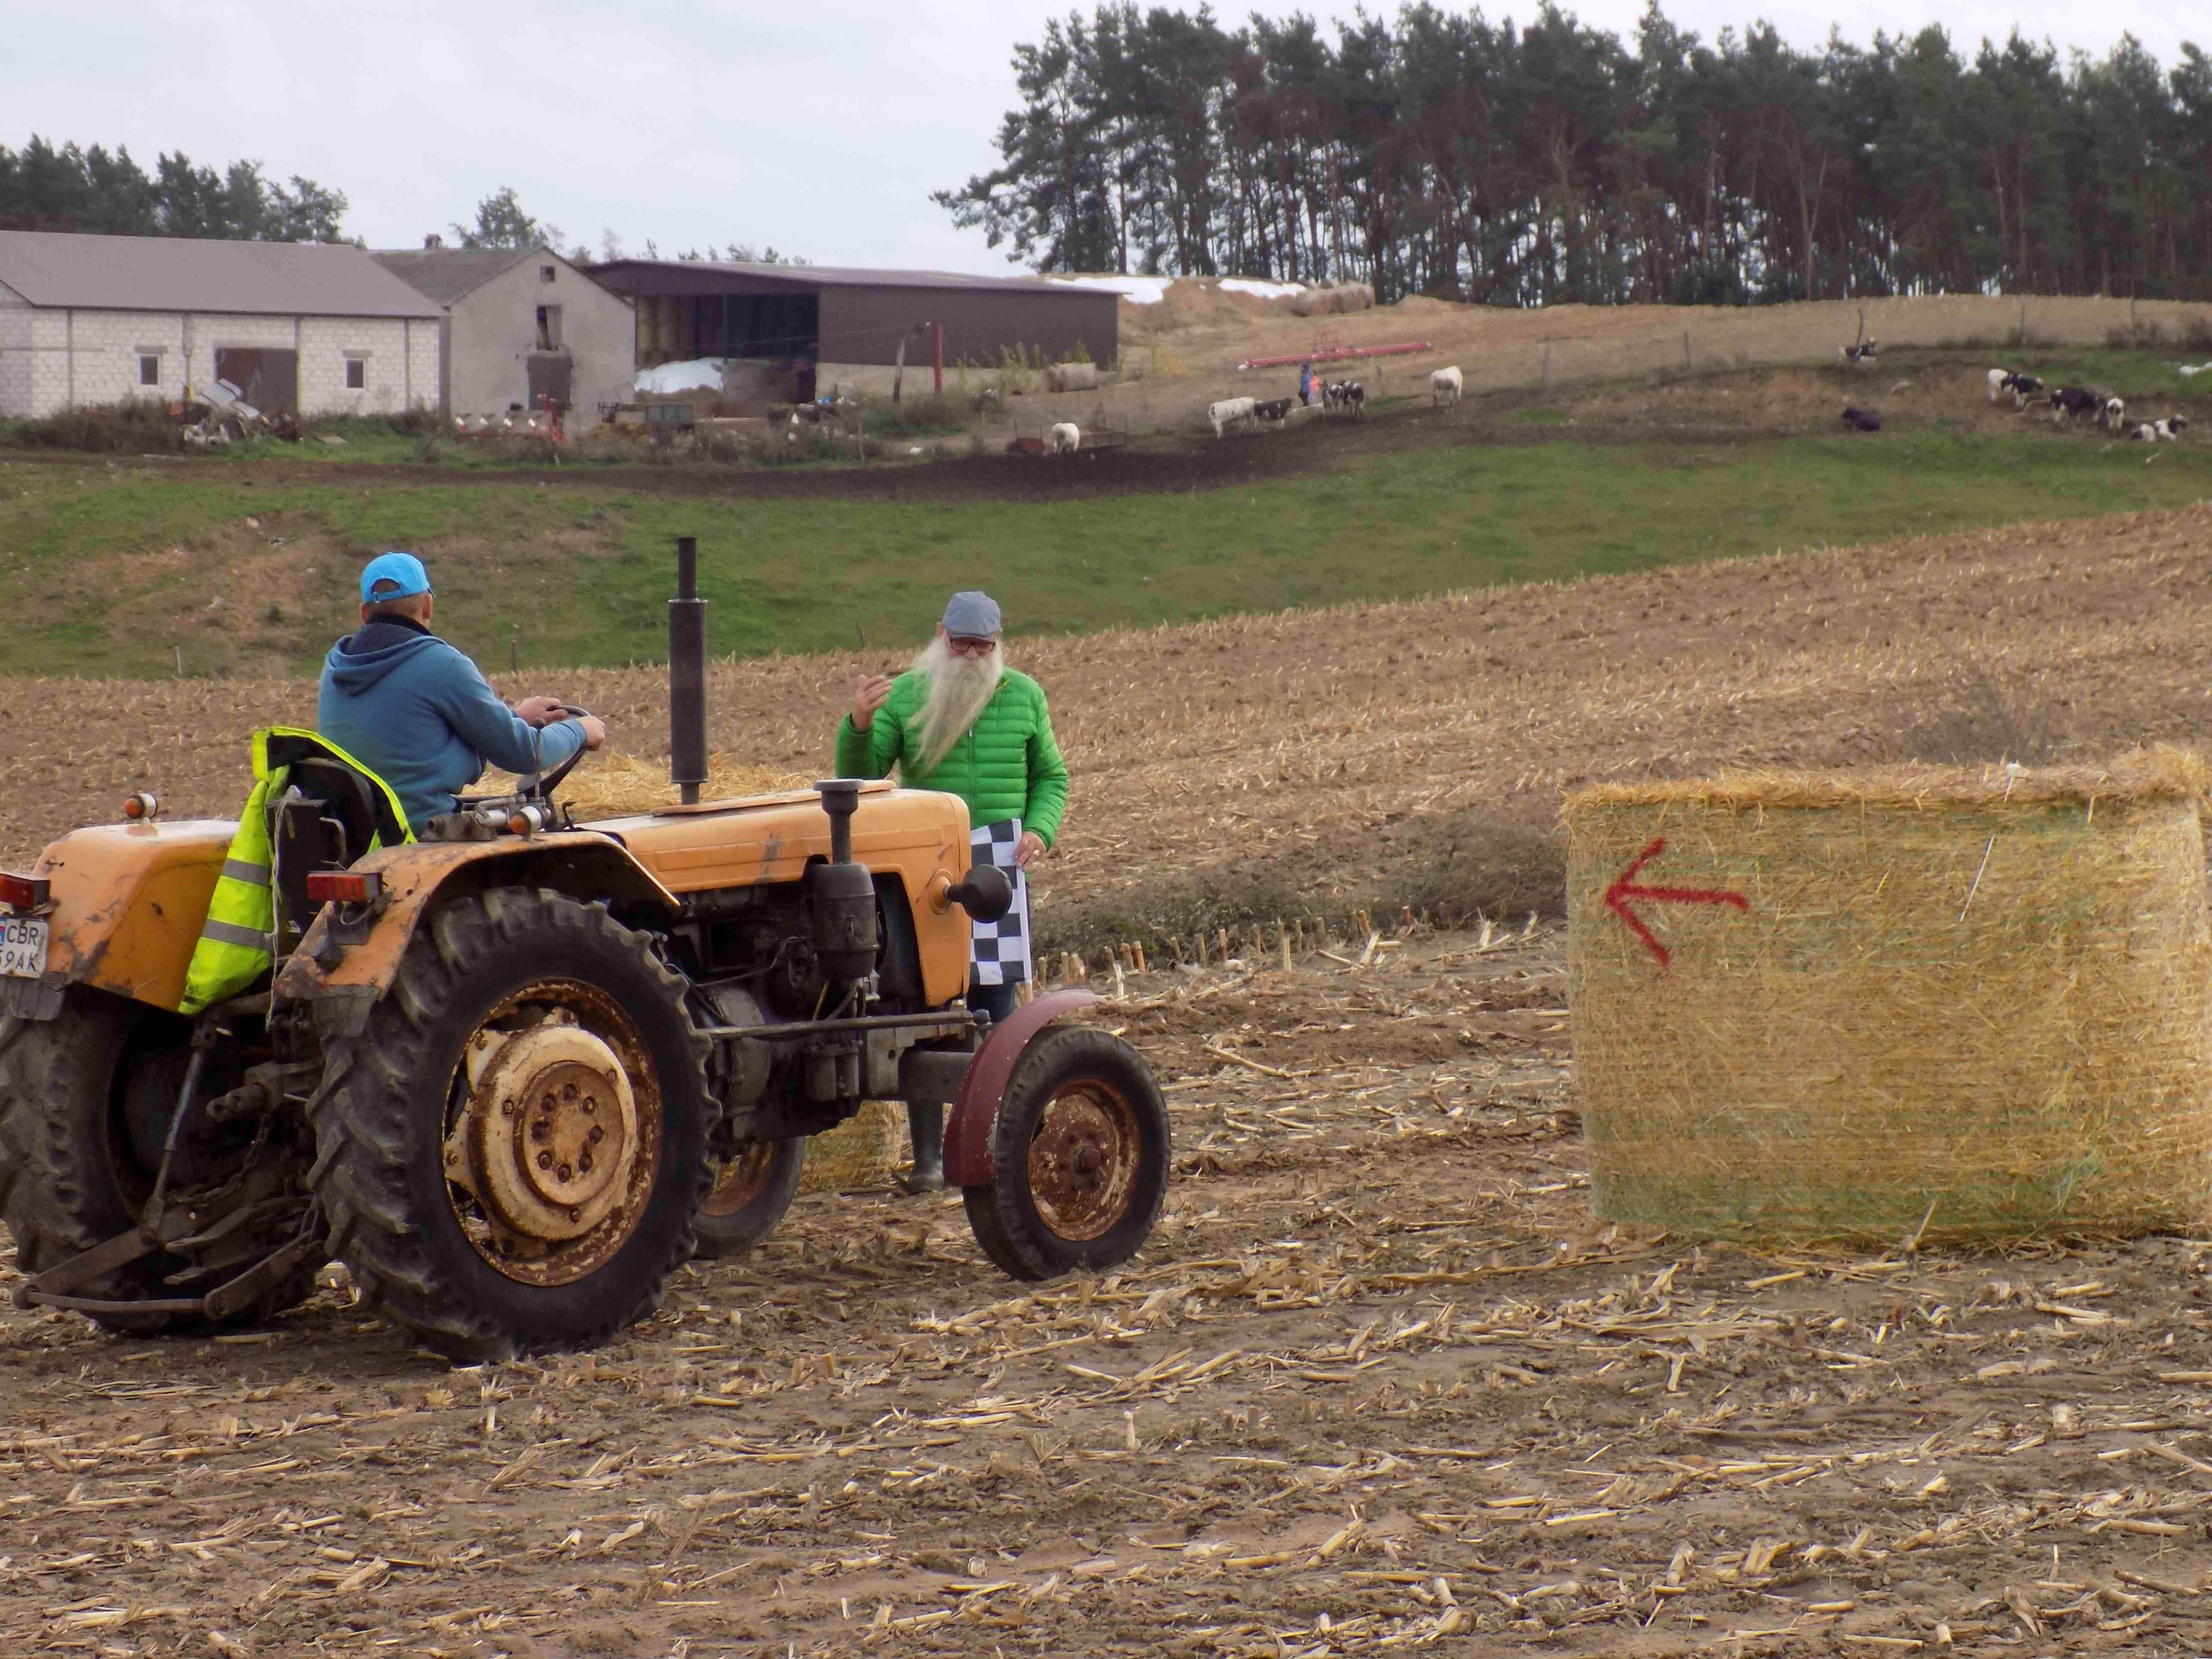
<point>1007,766</point>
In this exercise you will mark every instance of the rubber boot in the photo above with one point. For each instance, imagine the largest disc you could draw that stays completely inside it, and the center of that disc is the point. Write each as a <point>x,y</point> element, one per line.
<point>925,1126</point>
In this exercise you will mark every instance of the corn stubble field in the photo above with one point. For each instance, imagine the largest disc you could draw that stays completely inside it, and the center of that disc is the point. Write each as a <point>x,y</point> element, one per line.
<point>1379,1382</point>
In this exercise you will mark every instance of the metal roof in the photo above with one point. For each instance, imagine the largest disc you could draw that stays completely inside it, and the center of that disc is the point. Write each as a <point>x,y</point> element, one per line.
<point>176,273</point>
<point>445,274</point>
<point>840,276</point>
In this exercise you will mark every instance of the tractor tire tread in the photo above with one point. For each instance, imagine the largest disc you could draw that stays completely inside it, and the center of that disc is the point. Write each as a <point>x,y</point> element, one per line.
<point>360,1115</point>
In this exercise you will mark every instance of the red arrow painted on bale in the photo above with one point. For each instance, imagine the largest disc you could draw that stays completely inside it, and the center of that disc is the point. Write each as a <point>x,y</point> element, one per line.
<point>1624,889</point>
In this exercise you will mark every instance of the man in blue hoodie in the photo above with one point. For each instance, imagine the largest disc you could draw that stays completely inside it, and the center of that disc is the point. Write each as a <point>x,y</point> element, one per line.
<point>419,713</point>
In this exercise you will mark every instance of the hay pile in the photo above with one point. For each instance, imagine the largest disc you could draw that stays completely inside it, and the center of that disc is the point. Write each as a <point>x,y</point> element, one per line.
<point>859,1153</point>
<point>609,785</point>
<point>1950,1002</point>
<point>1333,301</point>
<point>1072,377</point>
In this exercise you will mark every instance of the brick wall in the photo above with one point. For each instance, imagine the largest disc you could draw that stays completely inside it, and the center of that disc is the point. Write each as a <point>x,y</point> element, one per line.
<point>15,355</point>
<point>93,357</point>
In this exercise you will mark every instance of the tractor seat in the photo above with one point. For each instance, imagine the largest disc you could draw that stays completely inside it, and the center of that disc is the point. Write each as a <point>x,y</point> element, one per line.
<point>325,820</point>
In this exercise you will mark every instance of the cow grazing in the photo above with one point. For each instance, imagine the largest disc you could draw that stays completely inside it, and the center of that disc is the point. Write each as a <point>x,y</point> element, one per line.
<point>1229,410</point>
<point>2022,387</point>
<point>1350,394</point>
<point>2073,402</point>
<point>1861,420</point>
<point>1446,387</point>
<point>2170,429</point>
<point>1275,409</point>
<point>1064,439</point>
<point>2112,413</point>
<point>2001,380</point>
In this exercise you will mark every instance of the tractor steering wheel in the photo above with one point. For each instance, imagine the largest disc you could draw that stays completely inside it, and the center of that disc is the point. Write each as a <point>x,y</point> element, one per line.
<point>548,782</point>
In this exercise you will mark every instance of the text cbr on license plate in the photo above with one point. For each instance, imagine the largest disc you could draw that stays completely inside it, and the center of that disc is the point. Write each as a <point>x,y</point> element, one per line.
<point>24,946</point>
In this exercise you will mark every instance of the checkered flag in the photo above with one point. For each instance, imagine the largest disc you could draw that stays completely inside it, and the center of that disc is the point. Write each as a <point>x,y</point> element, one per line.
<point>1002,947</point>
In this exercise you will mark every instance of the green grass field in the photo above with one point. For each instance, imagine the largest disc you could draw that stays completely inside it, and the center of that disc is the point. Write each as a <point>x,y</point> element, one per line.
<point>107,570</point>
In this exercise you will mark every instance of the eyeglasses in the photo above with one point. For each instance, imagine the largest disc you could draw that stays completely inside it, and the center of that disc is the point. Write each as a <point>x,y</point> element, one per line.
<point>967,645</point>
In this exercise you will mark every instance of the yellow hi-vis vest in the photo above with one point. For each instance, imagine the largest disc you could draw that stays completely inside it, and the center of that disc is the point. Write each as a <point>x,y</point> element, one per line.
<point>235,943</point>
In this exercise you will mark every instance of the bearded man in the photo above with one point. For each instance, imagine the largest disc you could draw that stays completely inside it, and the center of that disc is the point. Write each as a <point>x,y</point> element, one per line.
<point>961,721</point>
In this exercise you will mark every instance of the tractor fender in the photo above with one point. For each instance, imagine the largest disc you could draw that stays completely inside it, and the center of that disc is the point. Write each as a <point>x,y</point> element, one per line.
<point>584,863</point>
<point>968,1133</point>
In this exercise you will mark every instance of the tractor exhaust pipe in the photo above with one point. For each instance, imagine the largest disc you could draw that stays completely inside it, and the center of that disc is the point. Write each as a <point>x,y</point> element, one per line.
<point>687,676</point>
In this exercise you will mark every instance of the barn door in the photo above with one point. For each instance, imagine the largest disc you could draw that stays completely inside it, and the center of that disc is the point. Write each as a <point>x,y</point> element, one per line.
<point>266,378</point>
<point>549,378</point>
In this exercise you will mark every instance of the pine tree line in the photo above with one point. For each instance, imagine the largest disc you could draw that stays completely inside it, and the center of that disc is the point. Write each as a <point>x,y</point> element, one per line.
<point>1440,154</point>
<point>45,188</point>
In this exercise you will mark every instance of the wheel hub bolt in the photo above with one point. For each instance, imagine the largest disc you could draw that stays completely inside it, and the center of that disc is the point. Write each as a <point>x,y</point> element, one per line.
<point>545,1160</point>
<point>596,1136</point>
<point>584,1161</point>
<point>1086,1161</point>
<point>565,1173</point>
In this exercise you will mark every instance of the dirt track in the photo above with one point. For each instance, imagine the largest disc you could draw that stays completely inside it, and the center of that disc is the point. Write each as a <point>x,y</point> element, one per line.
<point>1378,1384</point>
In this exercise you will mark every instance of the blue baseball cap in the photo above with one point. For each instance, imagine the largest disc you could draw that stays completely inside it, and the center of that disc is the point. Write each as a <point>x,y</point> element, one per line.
<point>393,575</point>
<point>971,615</point>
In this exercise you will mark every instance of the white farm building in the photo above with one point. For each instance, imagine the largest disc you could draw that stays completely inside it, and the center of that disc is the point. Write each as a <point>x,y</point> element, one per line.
<point>315,329</point>
<point>523,326</point>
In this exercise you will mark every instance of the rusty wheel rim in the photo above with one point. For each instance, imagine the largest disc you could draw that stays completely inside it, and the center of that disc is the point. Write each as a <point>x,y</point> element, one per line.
<point>1083,1158</point>
<point>501,1231</point>
<point>742,1179</point>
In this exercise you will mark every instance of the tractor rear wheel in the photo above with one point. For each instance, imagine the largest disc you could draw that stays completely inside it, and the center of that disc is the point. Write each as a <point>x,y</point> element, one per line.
<point>84,1105</point>
<point>512,1149</point>
<point>752,1191</point>
<point>1080,1156</point>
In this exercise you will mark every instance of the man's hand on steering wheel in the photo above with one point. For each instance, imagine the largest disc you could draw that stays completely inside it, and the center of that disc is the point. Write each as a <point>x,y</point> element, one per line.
<point>544,711</point>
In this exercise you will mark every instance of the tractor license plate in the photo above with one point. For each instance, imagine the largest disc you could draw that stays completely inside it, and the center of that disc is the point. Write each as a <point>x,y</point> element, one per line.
<point>24,946</point>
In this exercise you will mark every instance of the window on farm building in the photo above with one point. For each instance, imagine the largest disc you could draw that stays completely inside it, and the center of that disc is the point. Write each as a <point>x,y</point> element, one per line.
<point>150,368</point>
<point>544,273</point>
<point>356,373</point>
<point>548,328</point>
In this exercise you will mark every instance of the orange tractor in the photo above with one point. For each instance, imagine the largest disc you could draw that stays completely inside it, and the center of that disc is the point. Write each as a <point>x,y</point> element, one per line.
<point>513,1073</point>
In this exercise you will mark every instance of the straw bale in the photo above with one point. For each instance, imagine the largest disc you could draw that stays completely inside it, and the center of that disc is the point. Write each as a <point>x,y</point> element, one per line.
<point>609,785</point>
<point>1959,1002</point>
<point>1072,377</point>
<point>1333,301</point>
<point>859,1153</point>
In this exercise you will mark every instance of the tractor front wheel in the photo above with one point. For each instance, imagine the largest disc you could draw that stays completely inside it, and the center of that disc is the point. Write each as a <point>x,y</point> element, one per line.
<point>1080,1158</point>
<point>511,1150</point>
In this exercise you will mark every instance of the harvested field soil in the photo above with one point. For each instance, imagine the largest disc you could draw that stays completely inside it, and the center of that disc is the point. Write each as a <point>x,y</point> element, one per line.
<point>1378,1382</point>
<point>1307,742</point>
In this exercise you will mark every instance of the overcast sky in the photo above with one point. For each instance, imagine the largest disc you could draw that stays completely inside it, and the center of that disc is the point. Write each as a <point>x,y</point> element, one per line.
<point>818,127</point>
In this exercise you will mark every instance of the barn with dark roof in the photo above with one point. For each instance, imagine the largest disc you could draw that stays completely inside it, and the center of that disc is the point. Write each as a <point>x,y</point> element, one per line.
<point>692,308</point>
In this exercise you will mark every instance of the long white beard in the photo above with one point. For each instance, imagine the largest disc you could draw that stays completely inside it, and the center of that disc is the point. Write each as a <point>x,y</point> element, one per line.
<point>959,687</point>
